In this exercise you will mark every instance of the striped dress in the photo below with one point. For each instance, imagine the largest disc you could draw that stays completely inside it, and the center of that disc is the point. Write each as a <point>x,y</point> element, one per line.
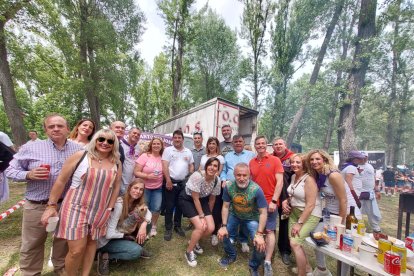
<point>84,209</point>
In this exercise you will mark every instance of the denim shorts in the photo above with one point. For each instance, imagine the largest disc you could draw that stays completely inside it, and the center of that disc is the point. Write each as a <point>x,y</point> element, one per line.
<point>153,198</point>
<point>271,221</point>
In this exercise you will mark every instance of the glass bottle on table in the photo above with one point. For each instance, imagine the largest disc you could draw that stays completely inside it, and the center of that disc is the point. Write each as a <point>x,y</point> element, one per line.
<point>352,221</point>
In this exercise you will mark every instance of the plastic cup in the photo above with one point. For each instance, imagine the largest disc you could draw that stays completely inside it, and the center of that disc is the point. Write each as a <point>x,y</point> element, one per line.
<point>335,220</point>
<point>51,224</point>
<point>357,242</point>
<point>46,166</point>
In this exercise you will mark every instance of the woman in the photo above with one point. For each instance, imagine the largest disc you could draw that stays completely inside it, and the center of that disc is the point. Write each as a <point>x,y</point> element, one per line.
<point>212,150</point>
<point>82,132</point>
<point>149,168</point>
<point>96,177</point>
<point>197,201</point>
<point>336,195</point>
<point>117,245</point>
<point>304,206</point>
<point>352,174</point>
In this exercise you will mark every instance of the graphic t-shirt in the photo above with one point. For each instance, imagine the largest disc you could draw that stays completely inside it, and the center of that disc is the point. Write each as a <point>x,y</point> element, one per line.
<point>245,203</point>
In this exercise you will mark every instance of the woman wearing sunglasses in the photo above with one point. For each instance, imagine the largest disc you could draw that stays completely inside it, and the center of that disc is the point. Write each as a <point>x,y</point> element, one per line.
<point>96,177</point>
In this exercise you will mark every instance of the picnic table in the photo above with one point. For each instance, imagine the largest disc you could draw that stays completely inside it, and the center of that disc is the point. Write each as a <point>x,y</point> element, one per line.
<point>370,266</point>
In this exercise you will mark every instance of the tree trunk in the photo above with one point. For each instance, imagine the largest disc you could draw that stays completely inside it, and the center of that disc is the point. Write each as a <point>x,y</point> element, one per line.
<point>306,96</point>
<point>13,112</point>
<point>178,75</point>
<point>85,52</point>
<point>392,99</point>
<point>350,107</point>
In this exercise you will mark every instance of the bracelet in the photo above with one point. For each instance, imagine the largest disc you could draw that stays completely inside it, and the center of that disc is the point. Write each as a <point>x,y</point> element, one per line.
<point>274,201</point>
<point>224,225</point>
<point>258,233</point>
<point>51,207</point>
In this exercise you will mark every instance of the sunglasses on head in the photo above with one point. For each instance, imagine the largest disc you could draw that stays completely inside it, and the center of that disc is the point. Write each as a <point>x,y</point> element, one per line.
<point>103,139</point>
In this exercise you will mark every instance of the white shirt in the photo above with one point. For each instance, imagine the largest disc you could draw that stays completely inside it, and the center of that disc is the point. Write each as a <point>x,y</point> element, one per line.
<point>5,139</point>
<point>297,191</point>
<point>179,161</point>
<point>356,181</point>
<point>367,177</point>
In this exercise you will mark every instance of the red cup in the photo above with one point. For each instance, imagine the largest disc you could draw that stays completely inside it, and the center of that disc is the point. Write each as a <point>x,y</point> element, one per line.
<point>46,166</point>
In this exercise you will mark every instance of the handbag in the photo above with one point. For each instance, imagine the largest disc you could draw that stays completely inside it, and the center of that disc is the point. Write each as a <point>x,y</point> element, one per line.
<point>364,196</point>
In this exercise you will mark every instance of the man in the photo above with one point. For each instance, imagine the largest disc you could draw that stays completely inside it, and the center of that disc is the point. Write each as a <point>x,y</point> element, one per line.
<point>119,128</point>
<point>27,166</point>
<point>369,205</point>
<point>33,136</point>
<point>131,151</point>
<point>389,181</point>
<point>267,171</point>
<point>281,151</point>
<point>198,150</point>
<point>232,158</point>
<point>8,151</point>
<point>226,145</point>
<point>177,164</point>
<point>244,205</point>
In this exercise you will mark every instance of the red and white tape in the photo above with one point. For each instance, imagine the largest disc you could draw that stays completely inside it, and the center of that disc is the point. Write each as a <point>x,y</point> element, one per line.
<point>11,210</point>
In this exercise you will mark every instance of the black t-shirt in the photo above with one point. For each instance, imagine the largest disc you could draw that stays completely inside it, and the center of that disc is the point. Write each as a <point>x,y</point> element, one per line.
<point>389,175</point>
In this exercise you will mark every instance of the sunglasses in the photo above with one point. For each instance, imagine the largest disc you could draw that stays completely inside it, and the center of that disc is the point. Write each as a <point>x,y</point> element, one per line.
<point>103,139</point>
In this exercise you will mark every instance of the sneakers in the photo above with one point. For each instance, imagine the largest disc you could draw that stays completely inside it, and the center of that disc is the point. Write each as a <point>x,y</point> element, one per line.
<point>103,264</point>
<point>179,231</point>
<point>245,247</point>
<point>198,249</point>
<point>168,235</point>
<point>191,259</point>
<point>153,232</point>
<point>318,272</point>
<point>286,258</point>
<point>145,254</point>
<point>268,270</point>
<point>253,272</point>
<point>214,240</point>
<point>226,261</point>
<point>295,270</point>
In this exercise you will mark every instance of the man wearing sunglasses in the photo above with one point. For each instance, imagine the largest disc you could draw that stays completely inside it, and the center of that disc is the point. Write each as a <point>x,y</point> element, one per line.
<point>39,164</point>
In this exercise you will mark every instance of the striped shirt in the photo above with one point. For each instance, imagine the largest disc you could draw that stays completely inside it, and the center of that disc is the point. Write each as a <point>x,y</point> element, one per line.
<point>31,156</point>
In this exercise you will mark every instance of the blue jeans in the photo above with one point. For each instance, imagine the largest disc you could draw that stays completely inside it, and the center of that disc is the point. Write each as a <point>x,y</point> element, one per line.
<point>119,249</point>
<point>233,224</point>
<point>153,198</point>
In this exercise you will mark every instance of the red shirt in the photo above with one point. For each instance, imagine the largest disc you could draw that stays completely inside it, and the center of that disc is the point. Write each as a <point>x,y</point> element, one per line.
<point>263,172</point>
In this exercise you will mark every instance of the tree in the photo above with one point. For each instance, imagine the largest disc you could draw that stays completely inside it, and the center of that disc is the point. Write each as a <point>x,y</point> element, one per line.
<point>14,113</point>
<point>256,17</point>
<point>214,59</point>
<point>177,19</point>
<point>350,105</point>
<point>306,95</point>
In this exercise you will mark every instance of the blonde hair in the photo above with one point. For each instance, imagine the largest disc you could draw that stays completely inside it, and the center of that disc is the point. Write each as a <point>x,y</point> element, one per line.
<point>127,200</point>
<point>303,158</point>
<point>328,166</point>
<point>91,147</point>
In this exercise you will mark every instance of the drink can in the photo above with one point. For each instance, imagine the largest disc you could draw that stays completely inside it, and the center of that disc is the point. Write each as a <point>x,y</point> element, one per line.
<point>409,242</point>
<point>392,263</point>
<point>383,246</point>
<point>46,166</point>
<point>402,251</point>
<point>361,228</point>
<point>347,243</point>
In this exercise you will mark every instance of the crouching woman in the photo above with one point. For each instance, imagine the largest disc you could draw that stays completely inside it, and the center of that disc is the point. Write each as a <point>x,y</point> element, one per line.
<point>127,229</point>
<point>197,201</point>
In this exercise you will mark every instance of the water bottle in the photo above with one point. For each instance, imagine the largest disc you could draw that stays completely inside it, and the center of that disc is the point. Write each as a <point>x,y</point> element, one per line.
<point>326,218</point>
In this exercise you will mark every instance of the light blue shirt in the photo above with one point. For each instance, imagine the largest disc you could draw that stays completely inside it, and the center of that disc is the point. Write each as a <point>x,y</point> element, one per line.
<point>232,159</point>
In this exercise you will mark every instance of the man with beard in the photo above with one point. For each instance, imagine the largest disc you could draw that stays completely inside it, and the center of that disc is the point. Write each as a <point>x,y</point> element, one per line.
<point>227,144</point>
<point>244,204</point>
<point>177,165</point>
<point>281,151</point>
<point>267,171</point>
<point>131,150</point>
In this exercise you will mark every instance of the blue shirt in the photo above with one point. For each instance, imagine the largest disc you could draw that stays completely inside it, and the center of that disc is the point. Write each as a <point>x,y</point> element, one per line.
<point>232,159</point>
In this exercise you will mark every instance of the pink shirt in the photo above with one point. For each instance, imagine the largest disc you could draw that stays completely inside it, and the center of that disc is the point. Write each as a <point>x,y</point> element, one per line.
<point>151,164</point>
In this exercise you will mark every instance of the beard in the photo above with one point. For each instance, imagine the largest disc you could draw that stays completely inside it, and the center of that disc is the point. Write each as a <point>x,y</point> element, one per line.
<point>242,185</point>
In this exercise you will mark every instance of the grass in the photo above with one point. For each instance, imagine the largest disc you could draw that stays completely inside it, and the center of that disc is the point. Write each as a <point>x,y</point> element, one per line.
<point>168,257</point>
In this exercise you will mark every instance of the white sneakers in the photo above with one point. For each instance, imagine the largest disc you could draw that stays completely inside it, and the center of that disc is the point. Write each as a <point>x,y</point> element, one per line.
<point>214,240</point>
<point>245,247</point>
<point>191,258</point>
<point>318,272</point>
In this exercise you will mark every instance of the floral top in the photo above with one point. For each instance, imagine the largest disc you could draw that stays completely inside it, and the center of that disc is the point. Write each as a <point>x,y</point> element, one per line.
<point>197,183</point>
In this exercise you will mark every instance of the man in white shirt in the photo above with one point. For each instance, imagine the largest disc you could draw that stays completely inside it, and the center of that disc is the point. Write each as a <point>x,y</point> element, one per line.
<point>33,136</point>
<point>131,151</point>
<point>177,165</point>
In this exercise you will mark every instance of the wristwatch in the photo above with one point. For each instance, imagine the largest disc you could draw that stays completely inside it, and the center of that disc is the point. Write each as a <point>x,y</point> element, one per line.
<point>224,225</point>
<point>274,201</point>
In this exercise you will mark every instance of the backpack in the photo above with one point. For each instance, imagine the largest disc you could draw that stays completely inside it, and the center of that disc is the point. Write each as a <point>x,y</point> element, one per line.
<point>6,155</point>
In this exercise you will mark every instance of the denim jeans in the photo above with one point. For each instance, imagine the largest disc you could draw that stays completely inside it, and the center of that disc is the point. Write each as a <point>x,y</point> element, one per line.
<point>153,198</point>
<point>120,249</point>
<point>233,224</point>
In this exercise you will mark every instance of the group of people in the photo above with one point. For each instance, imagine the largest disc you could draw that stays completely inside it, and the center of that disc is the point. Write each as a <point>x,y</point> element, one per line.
<point>395,181</point>
<point>109,195</point>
